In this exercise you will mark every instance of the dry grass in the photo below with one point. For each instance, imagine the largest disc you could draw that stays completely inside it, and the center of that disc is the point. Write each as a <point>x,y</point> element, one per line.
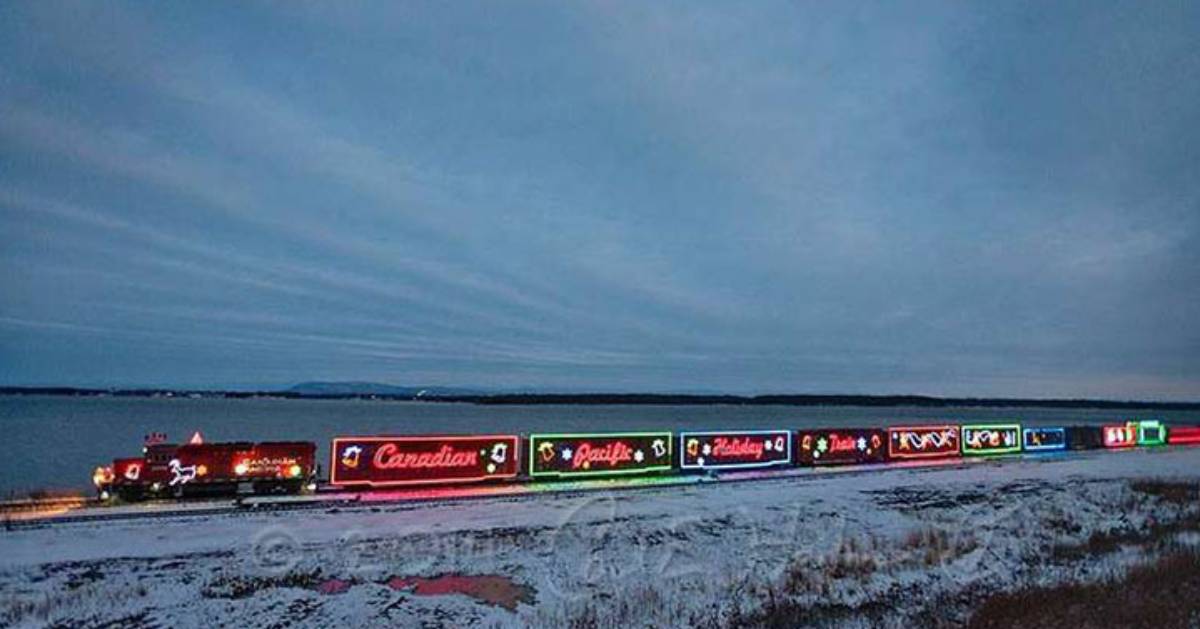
<point>237,587</point>
<point>647,606</point>
<point>934,547</point>
<point>1184,500</point>
<point>1163,594</point>
<point>853,559</point>
<point>1182,494</point>
<point>45,607</point>
<point>811,591</point>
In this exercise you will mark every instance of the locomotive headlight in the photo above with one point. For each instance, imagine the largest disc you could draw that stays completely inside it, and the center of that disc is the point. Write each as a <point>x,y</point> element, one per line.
<point>295,471</point>
<point>101,476</point>
<point>104,495</point>
<point>311,486</point>
<point>241,468</point>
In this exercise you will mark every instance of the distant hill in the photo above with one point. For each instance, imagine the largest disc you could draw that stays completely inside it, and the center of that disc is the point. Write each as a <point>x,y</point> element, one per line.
<point>355,389</point>
<point>806,400</point>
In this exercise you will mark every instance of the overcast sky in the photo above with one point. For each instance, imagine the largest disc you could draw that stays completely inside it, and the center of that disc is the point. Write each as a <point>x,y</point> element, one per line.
<point>964,198</point>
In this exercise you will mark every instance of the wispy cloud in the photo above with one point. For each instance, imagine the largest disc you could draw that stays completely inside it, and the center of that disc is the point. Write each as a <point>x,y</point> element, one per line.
<point>964,198</point>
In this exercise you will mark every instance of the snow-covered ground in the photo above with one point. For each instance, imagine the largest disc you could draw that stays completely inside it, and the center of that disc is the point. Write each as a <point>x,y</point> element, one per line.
<point>883,545</point>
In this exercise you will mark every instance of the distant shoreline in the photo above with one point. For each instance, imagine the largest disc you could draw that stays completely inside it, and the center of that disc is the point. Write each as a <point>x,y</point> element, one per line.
<point>594,399</point>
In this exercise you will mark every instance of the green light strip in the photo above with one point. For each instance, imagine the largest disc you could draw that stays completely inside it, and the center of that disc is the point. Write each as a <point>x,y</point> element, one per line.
<point>533,438</point>
<point>1151,423</point>
<point>990,451</point>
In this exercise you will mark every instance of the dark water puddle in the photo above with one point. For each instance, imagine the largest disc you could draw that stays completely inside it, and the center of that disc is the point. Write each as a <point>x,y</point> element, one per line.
<point>492,589</point>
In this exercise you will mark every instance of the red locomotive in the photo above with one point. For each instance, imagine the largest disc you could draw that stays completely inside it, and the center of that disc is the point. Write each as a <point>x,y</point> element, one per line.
<point>198,468</point>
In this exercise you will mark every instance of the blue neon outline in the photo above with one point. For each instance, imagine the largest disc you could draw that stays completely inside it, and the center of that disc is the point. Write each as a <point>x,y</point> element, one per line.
<point>734,466</point>
<point>1028,448</point>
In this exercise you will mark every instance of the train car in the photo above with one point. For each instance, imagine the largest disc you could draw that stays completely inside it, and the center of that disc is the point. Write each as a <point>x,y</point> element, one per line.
<point>991,439</point>
<point>1044,439</point>
<point>387,461</point>
<point>571,456</point>
<point>1085,437</point>
<point>1120,435</point>
<point>734,450</point>
<point>1183,435</point>
<point>841,446</point>
<point>197,468</point>
<point>1151,432</point>
<point>924,442</point>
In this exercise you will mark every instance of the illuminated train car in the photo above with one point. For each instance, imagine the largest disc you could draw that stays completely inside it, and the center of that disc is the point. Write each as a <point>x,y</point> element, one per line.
<point>1044,439</point>
<point>924,442</point>
<point>734,450</point>
<point>1151,433</point>
<point>1120,435</point>
<point>372,462</point>
<point>841,446</point>
<point>573,456</point>
<point>991,439</point>
<point>1183,435</point>
<point>197,468</point>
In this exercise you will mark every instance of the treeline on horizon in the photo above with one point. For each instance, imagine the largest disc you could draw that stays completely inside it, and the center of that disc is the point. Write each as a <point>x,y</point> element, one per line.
<point>666,399</point>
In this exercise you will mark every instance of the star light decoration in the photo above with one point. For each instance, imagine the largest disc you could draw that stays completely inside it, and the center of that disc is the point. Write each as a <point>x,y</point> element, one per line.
<point>767,445</point>
<point>707,449</point>
<point>567,453</point>
<point>861,444</point>
<point>639,456</point>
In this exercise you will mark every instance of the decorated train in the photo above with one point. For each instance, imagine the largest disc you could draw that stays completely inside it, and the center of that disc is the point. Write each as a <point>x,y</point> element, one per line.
<point>197,468</point>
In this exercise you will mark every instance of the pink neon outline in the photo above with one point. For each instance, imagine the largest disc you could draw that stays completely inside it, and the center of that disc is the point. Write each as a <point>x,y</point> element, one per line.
<point>956,453</point>
<point>516,443</point>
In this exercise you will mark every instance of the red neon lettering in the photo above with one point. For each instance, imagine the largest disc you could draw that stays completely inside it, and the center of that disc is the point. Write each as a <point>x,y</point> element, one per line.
<point>387,458</point>
<point>613,454</point>
<point>735,447</point>
<point>842,444</point>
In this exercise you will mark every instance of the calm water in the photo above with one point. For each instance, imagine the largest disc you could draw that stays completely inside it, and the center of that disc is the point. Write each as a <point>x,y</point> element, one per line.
<point>55,442</point>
